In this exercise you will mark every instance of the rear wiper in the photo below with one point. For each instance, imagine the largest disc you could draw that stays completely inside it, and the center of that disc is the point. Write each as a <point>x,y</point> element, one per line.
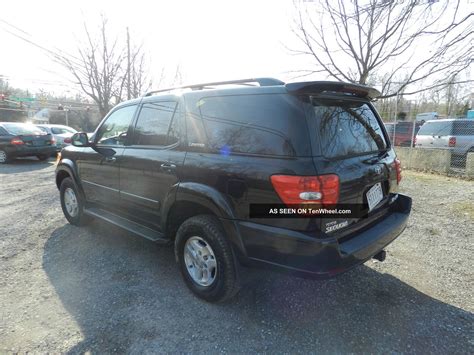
<point>374,159</point>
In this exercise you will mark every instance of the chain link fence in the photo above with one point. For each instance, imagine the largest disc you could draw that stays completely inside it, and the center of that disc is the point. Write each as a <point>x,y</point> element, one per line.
<point>443,145</point>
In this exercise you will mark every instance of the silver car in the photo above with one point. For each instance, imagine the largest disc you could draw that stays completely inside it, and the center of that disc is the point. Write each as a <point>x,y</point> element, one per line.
<point>456,135</point>
<point>59,132</point>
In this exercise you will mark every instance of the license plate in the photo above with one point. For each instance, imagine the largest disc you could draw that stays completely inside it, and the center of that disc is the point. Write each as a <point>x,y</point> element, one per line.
<point>374,196</point>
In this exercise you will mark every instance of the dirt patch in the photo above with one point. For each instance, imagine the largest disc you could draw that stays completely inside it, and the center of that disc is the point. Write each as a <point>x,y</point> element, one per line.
<point>99,289</point>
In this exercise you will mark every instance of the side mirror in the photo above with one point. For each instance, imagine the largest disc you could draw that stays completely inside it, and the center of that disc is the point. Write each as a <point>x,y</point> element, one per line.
<point>80,140</point>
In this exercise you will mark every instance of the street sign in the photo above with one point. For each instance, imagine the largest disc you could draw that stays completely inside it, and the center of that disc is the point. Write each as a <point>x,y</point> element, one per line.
<point>22,99</point>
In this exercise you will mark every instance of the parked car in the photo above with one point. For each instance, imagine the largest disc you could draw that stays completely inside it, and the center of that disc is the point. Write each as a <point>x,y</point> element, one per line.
<point>62,134</point>
<point>403,132</point>
<point>456,135</point>
<point>23,140</point>
<point>427,116</point>
<point>189,167</point>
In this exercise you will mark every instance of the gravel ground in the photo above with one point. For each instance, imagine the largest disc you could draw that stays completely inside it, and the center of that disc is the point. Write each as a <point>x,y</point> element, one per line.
<point>98,289</point>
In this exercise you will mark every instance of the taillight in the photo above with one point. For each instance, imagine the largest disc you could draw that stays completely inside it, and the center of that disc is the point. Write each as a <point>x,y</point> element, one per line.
<point>67,140</point>
<point>17,141</point>
<point>398,169</point>
<point>452,141</point>
<point>322,189</point>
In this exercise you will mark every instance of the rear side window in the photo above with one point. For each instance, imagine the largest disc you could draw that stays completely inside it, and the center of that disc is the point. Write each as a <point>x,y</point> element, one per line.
<point>402,128</point>
<point>347,128</point>
<point>265,124</point>
<point>463,128</point>
<point>154,124</point>
<point>441,128</point>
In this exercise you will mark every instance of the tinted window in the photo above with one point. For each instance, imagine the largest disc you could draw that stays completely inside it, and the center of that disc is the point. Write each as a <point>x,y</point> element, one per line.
<point>347,128</point>
<point>463,128</point>
<point>154,123</point>
<point>440,128</point>
<point>173,132</point>
<point>256,124</point>
<point>3,131</point>
<point>114,130</point>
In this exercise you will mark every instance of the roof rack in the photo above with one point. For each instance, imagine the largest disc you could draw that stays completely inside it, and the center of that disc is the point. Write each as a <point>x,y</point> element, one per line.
<point>260,81</point>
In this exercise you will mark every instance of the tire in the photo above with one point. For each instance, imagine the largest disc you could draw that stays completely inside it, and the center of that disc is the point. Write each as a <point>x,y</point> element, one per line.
<point>4,157</point>
<point>76,216</point>
<point>207,233</point>
<point>42,157</point>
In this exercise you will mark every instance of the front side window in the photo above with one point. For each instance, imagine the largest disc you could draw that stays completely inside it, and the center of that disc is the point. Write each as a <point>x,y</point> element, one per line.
<point>154,124</point>
<point>114,130</point>
<point>347,128</point>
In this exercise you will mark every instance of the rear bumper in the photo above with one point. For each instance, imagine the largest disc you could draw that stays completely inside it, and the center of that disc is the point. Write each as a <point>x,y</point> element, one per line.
<point>26,151</point>
<point>321,256</point>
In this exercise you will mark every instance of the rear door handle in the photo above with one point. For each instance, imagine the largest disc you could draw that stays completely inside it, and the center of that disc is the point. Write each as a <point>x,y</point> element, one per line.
<point>110,159</point>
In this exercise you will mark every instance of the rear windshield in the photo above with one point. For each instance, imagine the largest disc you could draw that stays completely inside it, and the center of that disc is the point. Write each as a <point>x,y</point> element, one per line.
<point>441,128</point>
<point>266,124</point>
<point>62,130</point>
<point>347,128</point>
<point>22,129</point>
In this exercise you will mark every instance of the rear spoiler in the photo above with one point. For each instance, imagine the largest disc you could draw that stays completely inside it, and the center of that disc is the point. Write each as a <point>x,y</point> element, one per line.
<point>320,87</point>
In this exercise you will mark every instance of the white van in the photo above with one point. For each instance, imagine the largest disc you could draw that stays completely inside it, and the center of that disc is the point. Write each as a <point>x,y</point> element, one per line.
<point>426,116</point>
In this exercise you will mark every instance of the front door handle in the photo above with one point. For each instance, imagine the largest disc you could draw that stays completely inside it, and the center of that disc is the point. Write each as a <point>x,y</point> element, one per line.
<point>110,159</point>
<point>167,166</point>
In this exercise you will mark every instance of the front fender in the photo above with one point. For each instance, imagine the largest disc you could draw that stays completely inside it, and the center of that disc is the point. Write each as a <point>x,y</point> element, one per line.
<point>70,167</point>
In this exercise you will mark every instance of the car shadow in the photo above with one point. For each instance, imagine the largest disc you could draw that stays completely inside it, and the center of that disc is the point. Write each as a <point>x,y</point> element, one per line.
<point>21,165</point>
<point>127,295</point>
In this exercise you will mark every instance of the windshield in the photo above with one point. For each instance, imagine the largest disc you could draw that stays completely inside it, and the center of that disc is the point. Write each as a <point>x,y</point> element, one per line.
<point>347,128</point>
<point>23,129</point>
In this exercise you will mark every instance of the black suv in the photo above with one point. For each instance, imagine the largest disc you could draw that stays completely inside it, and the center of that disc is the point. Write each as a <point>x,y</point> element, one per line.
<point>197,165</point>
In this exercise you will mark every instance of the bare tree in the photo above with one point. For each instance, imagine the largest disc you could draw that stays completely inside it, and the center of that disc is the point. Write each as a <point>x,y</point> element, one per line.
<point>101,68</point>
<point>376,41</point>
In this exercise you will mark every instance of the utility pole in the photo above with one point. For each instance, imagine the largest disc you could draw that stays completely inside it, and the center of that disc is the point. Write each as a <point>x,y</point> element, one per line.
<point>128,65</point>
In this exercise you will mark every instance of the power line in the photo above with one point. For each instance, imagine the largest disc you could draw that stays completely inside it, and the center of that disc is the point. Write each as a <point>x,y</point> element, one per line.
<point>51,52</point>
<point>16,28</point>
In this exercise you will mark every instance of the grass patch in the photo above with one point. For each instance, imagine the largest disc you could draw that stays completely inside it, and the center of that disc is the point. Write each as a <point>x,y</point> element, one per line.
<point>465,208</point>
<point>433,231</point>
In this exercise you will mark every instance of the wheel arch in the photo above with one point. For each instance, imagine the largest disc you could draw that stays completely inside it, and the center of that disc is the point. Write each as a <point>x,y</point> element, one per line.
<point>67,168</point>
<point>192,199</point>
